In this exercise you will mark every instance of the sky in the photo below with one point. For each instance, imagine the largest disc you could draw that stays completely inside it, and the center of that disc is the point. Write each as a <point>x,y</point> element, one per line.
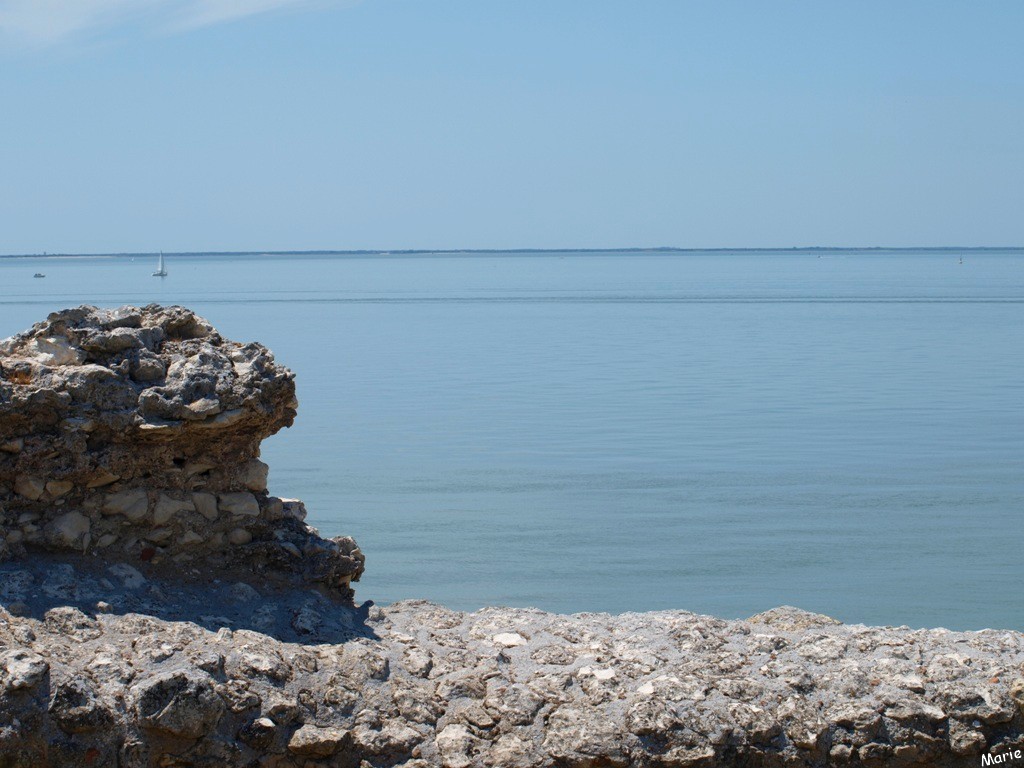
<point>194,125</point>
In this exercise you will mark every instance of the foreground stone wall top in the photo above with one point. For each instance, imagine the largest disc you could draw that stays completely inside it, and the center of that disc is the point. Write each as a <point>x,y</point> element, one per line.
<point>421,686</point>
<point>135,432</point>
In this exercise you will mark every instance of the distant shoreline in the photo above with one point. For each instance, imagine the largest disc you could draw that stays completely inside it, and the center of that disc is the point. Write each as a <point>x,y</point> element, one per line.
<point>490,251</point>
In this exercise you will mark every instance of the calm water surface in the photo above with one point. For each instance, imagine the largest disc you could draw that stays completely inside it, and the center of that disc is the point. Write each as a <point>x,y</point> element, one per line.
<point>717,432</point>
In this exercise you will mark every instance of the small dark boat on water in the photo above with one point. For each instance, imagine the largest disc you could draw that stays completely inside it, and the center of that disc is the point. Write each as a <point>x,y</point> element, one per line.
<point>38,274</point>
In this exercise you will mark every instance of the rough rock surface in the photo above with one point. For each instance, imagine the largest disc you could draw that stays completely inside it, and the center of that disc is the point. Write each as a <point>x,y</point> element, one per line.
<point>159,608</point>
<point>134,433</point>
<point>114,667</point>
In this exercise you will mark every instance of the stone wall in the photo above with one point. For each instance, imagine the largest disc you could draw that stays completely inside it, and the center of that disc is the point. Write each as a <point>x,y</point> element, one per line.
<point>156,612</point>
<point>420,686</point>
<point>136,433</point>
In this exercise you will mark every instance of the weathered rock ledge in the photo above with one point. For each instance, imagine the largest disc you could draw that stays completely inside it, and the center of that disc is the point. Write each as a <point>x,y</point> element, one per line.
<point>158,607</point>
<point>157,673</point>
<point>134,434</point>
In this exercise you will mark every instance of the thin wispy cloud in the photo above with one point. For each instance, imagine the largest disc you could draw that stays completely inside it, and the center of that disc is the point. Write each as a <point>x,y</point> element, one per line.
<point>46,22</point>
<point>201,13</point>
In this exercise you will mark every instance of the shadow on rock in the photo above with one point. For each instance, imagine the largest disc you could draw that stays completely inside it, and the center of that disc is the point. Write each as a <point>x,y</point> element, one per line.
<point>35,585</point>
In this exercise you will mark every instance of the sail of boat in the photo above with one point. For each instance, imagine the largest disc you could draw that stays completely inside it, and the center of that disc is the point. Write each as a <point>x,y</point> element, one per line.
<point>160,270</point>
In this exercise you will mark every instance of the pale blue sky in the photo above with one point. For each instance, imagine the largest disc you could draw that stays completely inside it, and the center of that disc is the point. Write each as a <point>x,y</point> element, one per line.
<point>281,124</point>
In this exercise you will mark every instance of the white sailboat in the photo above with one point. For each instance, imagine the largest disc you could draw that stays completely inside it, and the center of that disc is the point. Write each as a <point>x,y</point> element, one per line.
<point>160,270</point>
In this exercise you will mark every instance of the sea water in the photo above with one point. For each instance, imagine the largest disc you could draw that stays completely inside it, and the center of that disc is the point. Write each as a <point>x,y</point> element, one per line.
<point>717,432</point>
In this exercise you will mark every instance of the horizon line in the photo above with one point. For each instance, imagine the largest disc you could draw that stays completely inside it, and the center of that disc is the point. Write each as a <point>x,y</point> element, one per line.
<point>430,251</point>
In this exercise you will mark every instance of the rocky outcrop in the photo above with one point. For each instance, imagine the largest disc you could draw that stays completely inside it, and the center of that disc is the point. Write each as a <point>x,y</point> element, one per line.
<point>156,609</point>
<point>111,667</point>
<point>134,434</point>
